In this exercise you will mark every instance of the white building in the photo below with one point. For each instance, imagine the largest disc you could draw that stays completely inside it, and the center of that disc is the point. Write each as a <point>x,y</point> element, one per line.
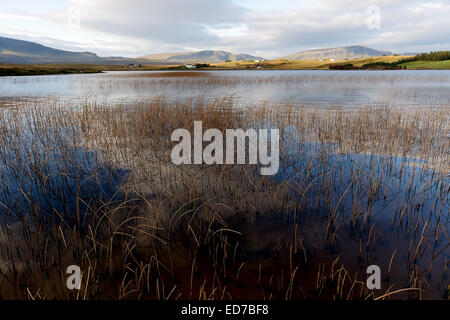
<point>332,59</point>
<point>190,66</point>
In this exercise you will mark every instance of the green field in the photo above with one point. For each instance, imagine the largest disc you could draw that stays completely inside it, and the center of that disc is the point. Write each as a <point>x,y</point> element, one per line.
<point>443,65</point>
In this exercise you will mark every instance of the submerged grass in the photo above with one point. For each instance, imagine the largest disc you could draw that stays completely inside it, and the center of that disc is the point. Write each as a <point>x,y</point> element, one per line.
<point>94,186</point>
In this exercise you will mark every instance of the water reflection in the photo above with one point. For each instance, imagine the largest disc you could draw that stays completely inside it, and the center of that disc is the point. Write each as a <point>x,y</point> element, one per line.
<point>312,88</point>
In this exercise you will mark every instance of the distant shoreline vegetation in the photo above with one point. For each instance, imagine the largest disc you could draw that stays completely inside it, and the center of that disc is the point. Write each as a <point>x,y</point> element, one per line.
<point>397,65</point>
<point>32,71</point>
<point>439,60</point>
<point>431,57</point>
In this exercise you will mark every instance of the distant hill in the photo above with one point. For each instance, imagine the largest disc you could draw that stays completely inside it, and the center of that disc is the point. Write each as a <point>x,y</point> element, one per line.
<point>210,56</point>
<point>18,51</point>
<point>342,53</point>
<point>409,53</point>
<point>26,52</point>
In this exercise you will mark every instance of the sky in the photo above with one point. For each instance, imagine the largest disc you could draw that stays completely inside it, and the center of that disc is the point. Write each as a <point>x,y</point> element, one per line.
<point>267,28</point>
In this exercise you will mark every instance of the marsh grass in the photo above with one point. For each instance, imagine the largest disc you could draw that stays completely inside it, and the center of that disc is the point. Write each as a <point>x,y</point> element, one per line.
<point>93,185</point>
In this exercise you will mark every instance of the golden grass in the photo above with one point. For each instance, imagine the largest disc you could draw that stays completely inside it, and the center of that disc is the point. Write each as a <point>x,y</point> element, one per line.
<point>52,68</point>
<point>278,64</point>
<point>302,64</point>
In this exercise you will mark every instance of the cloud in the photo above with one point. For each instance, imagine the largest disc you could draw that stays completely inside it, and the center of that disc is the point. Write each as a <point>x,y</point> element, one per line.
<point>138,27</point>
<point>168,22</point>
<point>405,26</point>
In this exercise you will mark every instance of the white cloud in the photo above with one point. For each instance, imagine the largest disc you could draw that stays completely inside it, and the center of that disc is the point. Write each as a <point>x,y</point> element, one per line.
<point>267,28</point>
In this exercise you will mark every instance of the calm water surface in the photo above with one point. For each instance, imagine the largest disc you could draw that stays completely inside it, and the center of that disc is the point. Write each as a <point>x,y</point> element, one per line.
<point>295,87</point>
<point>311,88</point>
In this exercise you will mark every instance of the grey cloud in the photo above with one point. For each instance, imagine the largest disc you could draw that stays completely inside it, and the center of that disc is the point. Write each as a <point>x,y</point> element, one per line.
<point>168,22</point>
<point>174,24</point>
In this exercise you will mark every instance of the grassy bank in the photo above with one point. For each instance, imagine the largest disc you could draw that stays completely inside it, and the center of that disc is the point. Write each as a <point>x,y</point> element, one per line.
<point>32,70</point>
<point>303,64</point>
<point>380,63</point>
<point>52,69</point>
<point>428,65</point>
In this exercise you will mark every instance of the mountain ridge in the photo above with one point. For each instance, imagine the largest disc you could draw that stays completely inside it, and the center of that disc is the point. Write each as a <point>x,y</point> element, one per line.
<point>209,56</point>
<point>16,51</point>
<point>20,51</point>
<point>338,53</point>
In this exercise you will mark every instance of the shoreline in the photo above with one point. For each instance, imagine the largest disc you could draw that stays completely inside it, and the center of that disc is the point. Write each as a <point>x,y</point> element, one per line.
<point>365,64</point>
<point>31,72</point>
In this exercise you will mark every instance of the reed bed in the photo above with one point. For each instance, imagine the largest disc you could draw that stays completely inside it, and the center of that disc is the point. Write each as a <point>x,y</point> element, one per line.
<point>93,185</point>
